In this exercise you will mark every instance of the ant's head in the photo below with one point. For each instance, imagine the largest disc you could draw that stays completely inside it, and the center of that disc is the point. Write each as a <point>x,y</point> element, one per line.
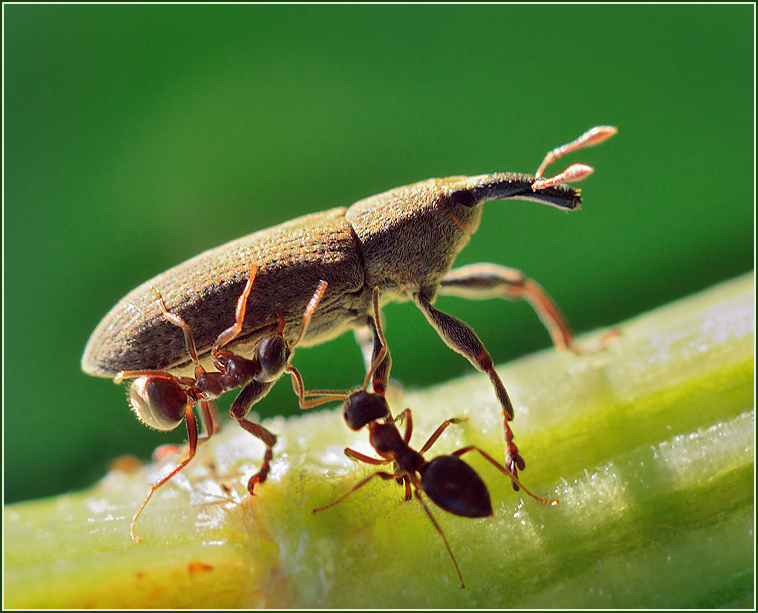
<point>455,487</point>
<point>158,402</point>
<point>362,408</point>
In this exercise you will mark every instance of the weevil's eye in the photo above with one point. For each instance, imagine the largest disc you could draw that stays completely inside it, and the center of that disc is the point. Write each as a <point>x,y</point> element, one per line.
<point>463,197</point>
<point>272,356</point>
<point>456,487</point>
<point>158,403</point>
<point>362,408</point>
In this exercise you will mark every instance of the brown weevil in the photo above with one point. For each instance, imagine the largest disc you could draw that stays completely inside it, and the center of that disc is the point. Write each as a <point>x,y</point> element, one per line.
<point>162,400</point>
<point>447,480</point>
<point>403,241</point>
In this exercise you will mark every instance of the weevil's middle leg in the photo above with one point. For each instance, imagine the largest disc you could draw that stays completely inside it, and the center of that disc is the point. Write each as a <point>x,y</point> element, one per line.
<point>461,338</point>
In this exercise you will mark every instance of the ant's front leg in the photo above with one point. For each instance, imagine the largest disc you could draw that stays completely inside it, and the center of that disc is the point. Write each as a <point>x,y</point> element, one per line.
<point>249,395</point>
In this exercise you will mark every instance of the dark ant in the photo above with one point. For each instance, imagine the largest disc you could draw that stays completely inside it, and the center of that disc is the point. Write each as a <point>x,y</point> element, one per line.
<point>162,400</point>
<point>447,480</point>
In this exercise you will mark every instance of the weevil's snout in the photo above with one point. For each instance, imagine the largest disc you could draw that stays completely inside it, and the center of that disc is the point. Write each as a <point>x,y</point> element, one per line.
<point>469,192</point>
<point>456,487</point>
<point>159,403</point>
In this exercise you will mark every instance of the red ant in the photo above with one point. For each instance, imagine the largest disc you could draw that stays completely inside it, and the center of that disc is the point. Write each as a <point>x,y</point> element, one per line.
<point>447,480</point>
<point>162,400</point>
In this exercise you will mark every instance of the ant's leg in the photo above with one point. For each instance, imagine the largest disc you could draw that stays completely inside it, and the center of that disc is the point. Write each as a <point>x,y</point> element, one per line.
<point>188,339</point>
<point>376,354</point>
<point>381,475</point>
<point>443,426</point>
<point>381,359</point>
<point>249,395</point>
<point>318,295</point>
<point>407,417</point>
<point>461,338</point>
<point>209,419</point>
<point>441,533</point>
<point>357,455</point>
<point>192,435</point>
<point>503,470</point>
<point>157,374</point>
<point>365,338</point>
<point>322,396</point>
<point>228,335</point>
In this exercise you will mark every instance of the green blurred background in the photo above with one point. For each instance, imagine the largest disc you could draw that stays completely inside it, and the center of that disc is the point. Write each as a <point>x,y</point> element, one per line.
<point>138,136</point>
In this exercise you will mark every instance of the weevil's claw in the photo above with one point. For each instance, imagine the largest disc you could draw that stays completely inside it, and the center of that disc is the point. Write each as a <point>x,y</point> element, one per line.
<point>603,343</point>
<point>514,462</point>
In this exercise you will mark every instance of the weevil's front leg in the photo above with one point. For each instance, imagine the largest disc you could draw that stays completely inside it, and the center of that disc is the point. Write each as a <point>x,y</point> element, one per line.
<point>249,395</point>
<point>461,338</point>
<point>483,281</point>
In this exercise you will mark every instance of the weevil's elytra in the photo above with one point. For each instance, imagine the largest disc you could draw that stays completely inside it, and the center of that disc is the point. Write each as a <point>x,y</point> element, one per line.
<point>403,241</point>
<point>291,260</point>
<point>412,245</point>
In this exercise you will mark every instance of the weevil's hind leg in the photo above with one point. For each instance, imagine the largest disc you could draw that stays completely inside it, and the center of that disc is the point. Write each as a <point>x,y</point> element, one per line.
<point>249,395</point>
<point>484,281</point>
<point>192,435</point>
<point>461,338</point>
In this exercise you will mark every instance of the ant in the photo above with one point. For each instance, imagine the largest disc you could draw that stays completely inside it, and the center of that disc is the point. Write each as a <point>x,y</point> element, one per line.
<point>161,400</point>
<point>447,480</point>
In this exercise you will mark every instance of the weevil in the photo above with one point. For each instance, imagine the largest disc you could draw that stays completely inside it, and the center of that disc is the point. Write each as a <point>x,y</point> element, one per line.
<point>403,241</point>
<point>162,400</point>
<point>447,480</point>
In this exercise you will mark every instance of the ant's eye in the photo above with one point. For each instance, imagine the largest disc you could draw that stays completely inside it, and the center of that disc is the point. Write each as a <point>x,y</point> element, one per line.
<point>463,197</point>
<point>158,403</point>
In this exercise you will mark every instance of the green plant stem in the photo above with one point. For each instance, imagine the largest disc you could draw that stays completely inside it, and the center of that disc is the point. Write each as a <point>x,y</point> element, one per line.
<point>649,446</point>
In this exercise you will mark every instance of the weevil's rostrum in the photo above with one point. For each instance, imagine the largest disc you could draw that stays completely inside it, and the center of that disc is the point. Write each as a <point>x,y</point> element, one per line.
<point>404,242</point>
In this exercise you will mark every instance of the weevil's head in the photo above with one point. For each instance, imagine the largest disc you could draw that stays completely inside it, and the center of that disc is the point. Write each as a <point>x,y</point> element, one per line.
<point>410,236</point>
